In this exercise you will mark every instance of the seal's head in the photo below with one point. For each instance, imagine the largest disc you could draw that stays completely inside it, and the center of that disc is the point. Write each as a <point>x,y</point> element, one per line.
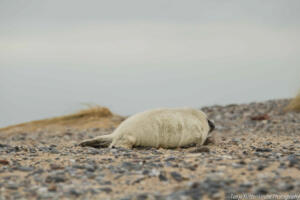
<point>211,125</point>
<point>204,117</point>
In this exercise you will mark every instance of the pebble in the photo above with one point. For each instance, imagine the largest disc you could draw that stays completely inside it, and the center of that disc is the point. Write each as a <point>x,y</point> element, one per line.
<point>131,166</point>
<point>176,176</point>
<point>200,150</point>
<point>142,197</point>
<point>4,162</point>
<point>106,189</point>
<point>12,186</point>
<point>236,165</point>
<point>55,178</point>
<point>285,186</point>
<point>24,168</point>
<point>293,161</point>
<point>263,150</point>
<point>260,167</point>
<point>162,176</point>
<point>261,191</point>
<point>75,192</point>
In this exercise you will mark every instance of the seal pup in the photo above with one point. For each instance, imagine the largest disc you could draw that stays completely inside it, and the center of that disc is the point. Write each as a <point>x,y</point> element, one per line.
<point>165,127</point>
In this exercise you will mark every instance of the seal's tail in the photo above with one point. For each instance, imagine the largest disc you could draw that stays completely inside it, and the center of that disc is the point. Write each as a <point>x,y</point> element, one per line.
<point>100,141</point>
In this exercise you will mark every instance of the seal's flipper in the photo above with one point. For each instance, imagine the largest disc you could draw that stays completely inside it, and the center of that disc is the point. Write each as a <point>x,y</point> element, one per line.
<point>100,141</point>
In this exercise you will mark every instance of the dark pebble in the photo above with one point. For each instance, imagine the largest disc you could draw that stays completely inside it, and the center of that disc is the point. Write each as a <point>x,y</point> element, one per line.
<point>4,162</point>
<point>260,167</point>
<point>131,166</point>
<point>162,176</point>
<point>245,185</point>
<point>176,176</point>
<point>200,150</point>
<point>56,179</point>
<point>286,187</point>
<point>293,160</point>
<point>75,192</point>
<point>24,169</point>
<point>12,186</point>
<point>261,191</point>
<point>171,158</point>
<point>242,162</point>
<point>55,167</point>
<point>263,150</point>
<point>146,172</point>
<point>142,197</point>
<point>102,182</point>
<point>106,189</point>
<point>138,180</point>
<point>4,145</point>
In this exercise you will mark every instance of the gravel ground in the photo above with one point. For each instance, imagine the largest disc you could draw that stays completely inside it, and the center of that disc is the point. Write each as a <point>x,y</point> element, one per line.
<point>254,150</point>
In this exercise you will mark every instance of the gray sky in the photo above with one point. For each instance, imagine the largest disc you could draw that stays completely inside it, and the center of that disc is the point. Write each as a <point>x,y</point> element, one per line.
<point>135,55</point>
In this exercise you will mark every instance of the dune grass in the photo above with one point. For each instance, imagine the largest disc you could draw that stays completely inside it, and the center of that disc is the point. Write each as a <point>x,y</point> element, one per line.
<point>94,115</point>
<point>294,105</point>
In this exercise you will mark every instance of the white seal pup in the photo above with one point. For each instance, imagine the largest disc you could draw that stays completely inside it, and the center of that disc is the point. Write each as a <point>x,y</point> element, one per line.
<point>166,128</point>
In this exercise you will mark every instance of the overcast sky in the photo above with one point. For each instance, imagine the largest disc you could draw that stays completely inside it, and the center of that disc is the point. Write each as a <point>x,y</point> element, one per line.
<point>135,55</point>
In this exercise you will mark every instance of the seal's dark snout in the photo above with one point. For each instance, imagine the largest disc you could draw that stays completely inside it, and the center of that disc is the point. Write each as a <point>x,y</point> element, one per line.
<point>211,126</point>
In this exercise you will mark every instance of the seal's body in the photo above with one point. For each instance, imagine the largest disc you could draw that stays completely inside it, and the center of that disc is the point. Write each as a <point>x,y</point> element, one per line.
<point>166,128</point>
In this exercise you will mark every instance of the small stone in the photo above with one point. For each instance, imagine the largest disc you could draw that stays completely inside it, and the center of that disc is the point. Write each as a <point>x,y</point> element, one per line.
<point>146,172</point>
<point>236,141</point>
<point>52,188</point>
<point>55,167</point>
<point>242,162</point>
<point>200,150</point>
<point>106,183</point>
<point>162,176</point>
<point>246,185</point>
<point>260,117</point>
<point>216,195</point>
<point>131,166</point>
<point>74,192</point>
<point>236,165</point>
<point>12,186</point>
<point>263,150</point>
<point>176,176</point>
<point>138,180</point>
<point>4,162</point>
<point>56,179</point>
<point>260,167</point>
<point>41,190</point>
<point>171,158</point>
<point>142,197</point>
<point>38,171</point>
<point>106,189</point>
<point>154,172</point>
<point>285,186</point>
<point>267,143</point>
<point>25,169</point>
<point>261,191</point>
<point>293,160</point>
<point>282,165</point>
<point>3,145</point>
<point>54,151</point>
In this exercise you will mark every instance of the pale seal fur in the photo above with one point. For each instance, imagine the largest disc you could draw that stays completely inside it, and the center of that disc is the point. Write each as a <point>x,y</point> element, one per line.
<point>166,128</point>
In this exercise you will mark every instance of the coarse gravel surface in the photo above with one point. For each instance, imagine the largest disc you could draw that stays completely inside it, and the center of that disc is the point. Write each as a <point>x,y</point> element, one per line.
<point>255,149</point>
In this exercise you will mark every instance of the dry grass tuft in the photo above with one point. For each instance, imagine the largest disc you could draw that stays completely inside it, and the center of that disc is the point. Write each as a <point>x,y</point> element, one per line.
<point>92,112</point>
<point>92,117</point>
<point>294,105</point>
